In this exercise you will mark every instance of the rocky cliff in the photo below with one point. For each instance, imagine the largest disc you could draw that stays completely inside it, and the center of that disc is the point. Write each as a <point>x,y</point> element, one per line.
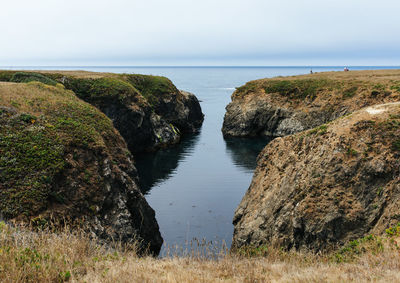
<point>149,111</point>
<point>282,106</point>
<point>323,187</point>
<point>62,159</point>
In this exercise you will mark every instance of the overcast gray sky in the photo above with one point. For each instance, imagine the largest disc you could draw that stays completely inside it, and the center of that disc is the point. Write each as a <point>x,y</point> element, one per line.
<point>200,32</point>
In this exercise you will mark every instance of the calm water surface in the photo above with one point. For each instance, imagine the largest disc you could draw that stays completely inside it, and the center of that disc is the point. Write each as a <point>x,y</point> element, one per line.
<point>196,186</point>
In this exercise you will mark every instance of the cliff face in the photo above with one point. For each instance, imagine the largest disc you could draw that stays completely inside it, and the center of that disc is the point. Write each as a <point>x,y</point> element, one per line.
<point>149,111</point>
<point>323,187</point>
<point>283,106</point>
<point>62,159</point>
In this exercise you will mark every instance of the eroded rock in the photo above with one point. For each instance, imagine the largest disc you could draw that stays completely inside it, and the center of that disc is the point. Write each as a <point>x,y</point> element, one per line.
<point>320,188</point>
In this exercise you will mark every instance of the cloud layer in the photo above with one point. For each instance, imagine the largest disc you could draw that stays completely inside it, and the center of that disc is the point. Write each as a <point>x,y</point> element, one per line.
<point>189,32</point>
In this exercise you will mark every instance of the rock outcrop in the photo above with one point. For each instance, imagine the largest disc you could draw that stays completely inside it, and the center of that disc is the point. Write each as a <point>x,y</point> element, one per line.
<point>320,188</point>
<point>282,106</point>
<point>148,111</point>
<point>62,159</point>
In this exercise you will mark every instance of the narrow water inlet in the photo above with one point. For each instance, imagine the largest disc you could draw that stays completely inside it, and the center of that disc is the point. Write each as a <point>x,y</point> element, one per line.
<point>195,186</point>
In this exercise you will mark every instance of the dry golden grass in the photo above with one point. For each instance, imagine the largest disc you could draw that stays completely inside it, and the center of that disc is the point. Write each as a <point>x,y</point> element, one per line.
<point>46,256</point>
<point>33,97</point>
<point>76,73</point>
<point>364,75</point>
<point>369,75</point>
<point>377,268</point>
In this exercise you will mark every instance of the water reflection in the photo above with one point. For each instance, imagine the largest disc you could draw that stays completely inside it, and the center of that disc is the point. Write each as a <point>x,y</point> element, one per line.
<point>154,168</point>
<point>244,151</point>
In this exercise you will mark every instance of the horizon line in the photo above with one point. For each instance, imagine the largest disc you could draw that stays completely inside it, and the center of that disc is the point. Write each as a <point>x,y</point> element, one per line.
<point>195,66</point>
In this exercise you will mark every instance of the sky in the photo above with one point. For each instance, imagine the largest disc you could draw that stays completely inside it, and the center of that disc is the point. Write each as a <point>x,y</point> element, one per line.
<point>199,32</point>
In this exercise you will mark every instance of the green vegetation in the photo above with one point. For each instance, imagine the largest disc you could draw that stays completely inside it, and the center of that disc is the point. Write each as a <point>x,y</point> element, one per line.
<point>321,130</point>
<point>151,87</point>
<point>24,77</point>
<point>351,152</point>
<point>248,87</point>
<point>394,230</point>
<point>106,87</point>
<point>253,251</point>
<point>34,141</point>
<point>396,86</point>
<point>379,192</point>
<point>101,89</point>
<point>378,89</point>
<point>358,247</point>
<point>297,88</point>
<point>350,92</point>
<point>5,76</point>
<point>393,124</point>
<point>30,157</point>
<point>396,144</point>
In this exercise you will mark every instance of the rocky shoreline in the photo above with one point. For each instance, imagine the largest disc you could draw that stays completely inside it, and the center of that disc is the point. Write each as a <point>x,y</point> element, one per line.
<point>316,189</point>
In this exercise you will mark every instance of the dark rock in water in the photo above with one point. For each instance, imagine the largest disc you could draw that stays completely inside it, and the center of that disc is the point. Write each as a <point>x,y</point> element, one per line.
<point>321,188</point>
<point>177,107</point>
<point>62,160</point>
<point>190,116</point>
<point>261,119</point>
<point>149,111</point>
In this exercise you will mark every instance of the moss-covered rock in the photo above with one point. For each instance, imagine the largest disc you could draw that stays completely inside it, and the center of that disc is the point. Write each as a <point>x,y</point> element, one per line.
<point>149,111</point>
<point>61,158</point>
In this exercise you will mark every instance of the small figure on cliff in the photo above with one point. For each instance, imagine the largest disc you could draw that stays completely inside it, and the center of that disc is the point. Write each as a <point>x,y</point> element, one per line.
<point>311,72</point>
<point>346,69</point>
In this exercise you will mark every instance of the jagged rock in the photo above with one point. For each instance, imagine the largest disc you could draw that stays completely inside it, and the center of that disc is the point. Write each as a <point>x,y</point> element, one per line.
<point>320,188</point>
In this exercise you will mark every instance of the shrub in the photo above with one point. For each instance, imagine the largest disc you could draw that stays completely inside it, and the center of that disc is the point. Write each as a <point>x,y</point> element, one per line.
<point>350,92</point>
<point>24,77</point>
<point>321,130</point>
<point>296,88</point>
